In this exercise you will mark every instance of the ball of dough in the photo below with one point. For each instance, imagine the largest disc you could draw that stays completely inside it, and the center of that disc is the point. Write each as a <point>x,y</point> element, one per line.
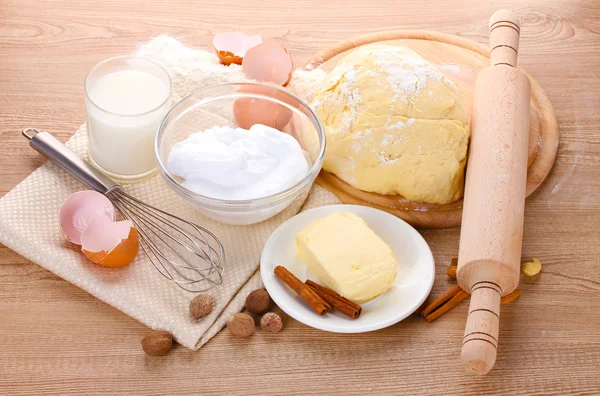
<point>394,125</point>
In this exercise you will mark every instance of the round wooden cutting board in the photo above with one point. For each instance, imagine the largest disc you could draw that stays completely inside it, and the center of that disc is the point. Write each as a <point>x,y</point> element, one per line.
<point>460,60</point>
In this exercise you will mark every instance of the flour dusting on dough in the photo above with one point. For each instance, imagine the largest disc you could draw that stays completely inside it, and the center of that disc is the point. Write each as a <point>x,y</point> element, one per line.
<point>408,76</point>
<point>394,124</point>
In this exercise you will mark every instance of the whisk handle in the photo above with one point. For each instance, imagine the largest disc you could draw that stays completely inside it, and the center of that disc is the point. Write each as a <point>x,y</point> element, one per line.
<point>54,150</point>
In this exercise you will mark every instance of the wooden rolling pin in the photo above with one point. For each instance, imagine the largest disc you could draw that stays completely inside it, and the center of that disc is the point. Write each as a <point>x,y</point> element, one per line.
<point>492,223</point>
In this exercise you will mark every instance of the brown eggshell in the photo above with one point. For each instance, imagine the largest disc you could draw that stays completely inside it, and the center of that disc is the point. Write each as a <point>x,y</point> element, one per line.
<point>268,62</point>
<point>231,47</point>
<point>111,244</point>
<point>227,58</point>
<point>250,111</point>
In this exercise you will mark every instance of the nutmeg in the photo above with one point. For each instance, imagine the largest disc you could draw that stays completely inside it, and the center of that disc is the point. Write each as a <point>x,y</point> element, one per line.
<point>532,270</point>
<point>271,322</point>
<point>201,305</point>
<point>258,301</point>
<point>241,325</point>
<point>157,343</point>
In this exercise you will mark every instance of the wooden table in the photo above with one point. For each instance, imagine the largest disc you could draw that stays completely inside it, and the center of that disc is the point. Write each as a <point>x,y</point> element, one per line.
<point>55,338</point>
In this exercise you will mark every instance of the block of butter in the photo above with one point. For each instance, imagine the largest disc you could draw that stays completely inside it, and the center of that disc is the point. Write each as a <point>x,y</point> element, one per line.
<point>347,256</point>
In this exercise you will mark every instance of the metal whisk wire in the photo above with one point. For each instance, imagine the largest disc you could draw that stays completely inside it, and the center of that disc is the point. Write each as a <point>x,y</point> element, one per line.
<point>189,255</point>
<point>192,259</point>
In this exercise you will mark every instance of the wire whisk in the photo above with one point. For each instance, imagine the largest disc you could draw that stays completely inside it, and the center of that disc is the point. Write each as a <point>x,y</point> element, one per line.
<point>187,254</point>
<point>183,252</point>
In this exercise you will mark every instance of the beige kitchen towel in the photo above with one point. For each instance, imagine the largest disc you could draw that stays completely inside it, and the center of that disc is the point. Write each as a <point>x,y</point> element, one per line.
<point>29,225</point>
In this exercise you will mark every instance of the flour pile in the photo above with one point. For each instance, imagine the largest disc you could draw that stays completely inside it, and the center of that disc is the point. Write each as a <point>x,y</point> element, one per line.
<point>193,69</point>
<point>190,69</point>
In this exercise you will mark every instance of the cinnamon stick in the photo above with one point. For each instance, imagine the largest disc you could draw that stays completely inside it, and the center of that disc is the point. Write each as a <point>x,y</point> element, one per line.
<point>337,302</point>
<point>438,302</point>
<point>451,298</point>
<point>453,268</point>
<point>453,302</point>
<point>304,291</point>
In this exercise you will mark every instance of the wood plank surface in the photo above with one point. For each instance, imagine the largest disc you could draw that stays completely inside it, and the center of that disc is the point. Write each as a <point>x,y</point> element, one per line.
<point>55,338</point>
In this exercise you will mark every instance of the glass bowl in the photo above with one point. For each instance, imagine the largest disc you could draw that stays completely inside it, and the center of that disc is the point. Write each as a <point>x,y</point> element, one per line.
<point>242,105</point>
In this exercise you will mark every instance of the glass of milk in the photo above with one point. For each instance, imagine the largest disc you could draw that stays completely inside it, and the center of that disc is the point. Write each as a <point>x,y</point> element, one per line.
<point>126,98</point>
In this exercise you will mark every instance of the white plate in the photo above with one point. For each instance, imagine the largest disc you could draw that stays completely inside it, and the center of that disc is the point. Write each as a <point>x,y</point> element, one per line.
<point>416,271</point>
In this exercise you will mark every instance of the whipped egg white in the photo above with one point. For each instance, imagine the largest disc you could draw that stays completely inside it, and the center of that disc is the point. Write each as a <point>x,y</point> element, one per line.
<point>238,164</point>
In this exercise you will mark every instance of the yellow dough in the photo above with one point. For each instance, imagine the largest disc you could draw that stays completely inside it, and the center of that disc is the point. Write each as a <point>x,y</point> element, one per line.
<point>394,125</point>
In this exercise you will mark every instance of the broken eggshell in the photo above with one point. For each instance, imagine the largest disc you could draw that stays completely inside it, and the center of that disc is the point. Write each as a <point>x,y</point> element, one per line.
<point>232,47</point>
<point>252,110</point>
<point>268,62</point>
<point>78,211</point>
<point>108,243</point>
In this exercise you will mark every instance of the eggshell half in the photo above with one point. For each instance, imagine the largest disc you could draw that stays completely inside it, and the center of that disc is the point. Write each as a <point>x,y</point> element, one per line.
<point>111,244</point>
<point>250,111</point>
<point>232,47</point>
<point>269,62</point>
<point>80,209</point>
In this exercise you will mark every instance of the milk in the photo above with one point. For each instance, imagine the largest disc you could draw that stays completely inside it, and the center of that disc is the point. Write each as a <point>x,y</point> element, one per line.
<point>125,109</point>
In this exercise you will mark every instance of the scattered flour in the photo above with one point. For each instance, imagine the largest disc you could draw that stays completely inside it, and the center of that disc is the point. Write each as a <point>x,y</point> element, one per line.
<point>304,83</point>
<point>450,67</point>
<point>361,134</point>
<point>398,125</point>
<point>399,139</point>
<point>358,137</point>
<point>387,139</point>
<point>190,69</point>
<point>385,158</point>
<point>351,96</point>
<point>408,76</point>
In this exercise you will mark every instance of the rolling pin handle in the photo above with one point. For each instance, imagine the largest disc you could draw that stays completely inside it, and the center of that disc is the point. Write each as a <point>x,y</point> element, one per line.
<point>504,38</point>
<point>480,343</point>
